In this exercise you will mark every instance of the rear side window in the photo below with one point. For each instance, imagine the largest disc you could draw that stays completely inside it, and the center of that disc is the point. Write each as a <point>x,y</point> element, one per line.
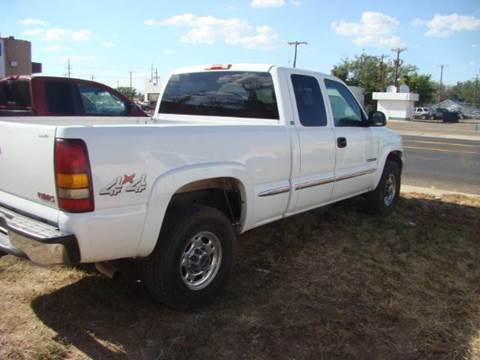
<point>221,93</point>
<point>97,101</point>
<point>310,105</point>
<point>60,98</point>
<point>15,93</point>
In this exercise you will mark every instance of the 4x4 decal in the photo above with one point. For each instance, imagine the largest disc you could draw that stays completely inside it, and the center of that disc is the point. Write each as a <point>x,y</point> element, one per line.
<point>127,183</point>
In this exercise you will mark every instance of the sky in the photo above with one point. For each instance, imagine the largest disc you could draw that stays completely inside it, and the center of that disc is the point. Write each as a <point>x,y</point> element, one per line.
<point>108,39</point>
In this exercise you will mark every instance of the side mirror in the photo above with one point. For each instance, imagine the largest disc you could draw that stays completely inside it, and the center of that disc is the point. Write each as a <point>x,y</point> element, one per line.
<point>377,118</point>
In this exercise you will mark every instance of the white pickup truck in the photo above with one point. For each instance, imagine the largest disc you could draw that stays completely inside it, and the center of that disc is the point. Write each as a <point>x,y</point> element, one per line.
<point>230,148</point>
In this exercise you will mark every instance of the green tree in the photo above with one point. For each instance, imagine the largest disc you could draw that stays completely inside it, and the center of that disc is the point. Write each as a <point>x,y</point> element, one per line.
<point>364,70</point>
<point>423,85</point>
<point>127,91</point>
<point>466,91</point>
<point>374,74</point>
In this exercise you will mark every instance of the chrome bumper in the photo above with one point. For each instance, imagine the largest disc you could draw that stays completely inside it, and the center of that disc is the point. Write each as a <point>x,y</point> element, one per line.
<point>42,243</point>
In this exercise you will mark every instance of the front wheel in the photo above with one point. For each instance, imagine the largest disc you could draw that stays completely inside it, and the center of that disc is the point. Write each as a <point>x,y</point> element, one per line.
<point>193,258</point>
<point>384,198</point>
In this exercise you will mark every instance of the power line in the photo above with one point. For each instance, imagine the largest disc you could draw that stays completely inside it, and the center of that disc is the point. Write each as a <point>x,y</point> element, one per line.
<point>296,44</point>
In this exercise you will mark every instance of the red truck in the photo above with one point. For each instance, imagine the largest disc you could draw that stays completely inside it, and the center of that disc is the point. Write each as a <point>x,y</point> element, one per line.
<point>58,96</point>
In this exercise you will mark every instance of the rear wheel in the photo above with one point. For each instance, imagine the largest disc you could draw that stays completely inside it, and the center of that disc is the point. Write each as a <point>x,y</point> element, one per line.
<point>193,258</point>
<point>384,198</point>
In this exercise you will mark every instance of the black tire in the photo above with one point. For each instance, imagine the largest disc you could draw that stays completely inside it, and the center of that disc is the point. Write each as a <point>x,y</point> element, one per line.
<point>162,270</point>
<point>376,199</point>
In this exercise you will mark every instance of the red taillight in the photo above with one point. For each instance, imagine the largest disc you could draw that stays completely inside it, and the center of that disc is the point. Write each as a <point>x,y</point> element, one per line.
<point>219,67</point>
<point>73,176</point>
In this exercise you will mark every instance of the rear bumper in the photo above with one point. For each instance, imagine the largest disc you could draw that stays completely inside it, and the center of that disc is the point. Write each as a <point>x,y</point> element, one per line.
<point>42,243</point>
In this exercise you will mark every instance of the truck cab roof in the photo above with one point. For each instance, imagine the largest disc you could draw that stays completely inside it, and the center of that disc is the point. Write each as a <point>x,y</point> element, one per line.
<point>241,67</point>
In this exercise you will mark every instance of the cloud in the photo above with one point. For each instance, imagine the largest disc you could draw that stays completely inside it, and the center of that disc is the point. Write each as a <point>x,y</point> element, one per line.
<point>168,51</point>
<point>265,38</point>
<point>53,48</point>
<point>474,45</point>
<point>373,29</point>
<point>295,2</point>
<point>267,3</point>
<point>59,34</point>
<point>151,22</point>
<point>30,21</point>
<point>82,35</point>
<point>108,44</point>
<point>56,34</point>
<point>232,31</point>
<point>446,25</point>
<point>33,32</point>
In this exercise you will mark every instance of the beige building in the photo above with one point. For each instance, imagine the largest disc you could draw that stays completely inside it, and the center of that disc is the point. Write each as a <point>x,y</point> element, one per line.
<point>152,90</point>
<point>16,57</point>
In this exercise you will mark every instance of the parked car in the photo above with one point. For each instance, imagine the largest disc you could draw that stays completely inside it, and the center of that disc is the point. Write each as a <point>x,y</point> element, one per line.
<point>422,113</point>
<point>446,115</point>
<point>228,149</point>
<point>60,96</point>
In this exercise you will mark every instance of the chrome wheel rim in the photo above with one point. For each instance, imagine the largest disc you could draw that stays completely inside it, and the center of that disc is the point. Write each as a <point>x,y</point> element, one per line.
<point>390,190</point>
<point>200,260</point>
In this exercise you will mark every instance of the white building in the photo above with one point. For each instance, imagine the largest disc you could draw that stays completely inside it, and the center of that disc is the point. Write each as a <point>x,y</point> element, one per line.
<point>152,89</point>
<point>396,105</point>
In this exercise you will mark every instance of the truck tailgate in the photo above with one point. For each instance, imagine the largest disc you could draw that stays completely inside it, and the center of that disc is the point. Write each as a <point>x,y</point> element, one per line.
<point>26,161</point>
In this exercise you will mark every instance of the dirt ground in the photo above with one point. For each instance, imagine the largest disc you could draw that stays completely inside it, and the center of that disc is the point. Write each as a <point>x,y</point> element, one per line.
<point>333,283</point>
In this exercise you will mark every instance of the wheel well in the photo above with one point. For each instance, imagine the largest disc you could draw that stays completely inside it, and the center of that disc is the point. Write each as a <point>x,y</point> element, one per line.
<point>396,156</point>
<point>224,194</point>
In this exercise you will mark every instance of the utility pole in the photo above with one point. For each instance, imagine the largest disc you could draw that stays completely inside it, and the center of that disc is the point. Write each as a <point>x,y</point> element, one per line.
<point>69,68</point>
<point>475,91</point>
<point>296,43</point>
<point>92,77</point>
<point>382,73</point>
<point>156,76</point>
<point>440,89</point>
<point>397,63</point>
<point>131,72</point>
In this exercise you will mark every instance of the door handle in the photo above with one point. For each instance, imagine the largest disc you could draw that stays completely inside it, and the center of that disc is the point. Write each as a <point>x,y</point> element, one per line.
<point>341,142</point>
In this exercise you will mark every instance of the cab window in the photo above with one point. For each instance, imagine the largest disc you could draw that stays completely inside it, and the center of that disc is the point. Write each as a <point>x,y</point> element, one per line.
<point>98,101</point>
<point>221,93</point>
<point>345,109</point>
<point>310,106</point>
<point>14,93</point>
<point>60,98</point>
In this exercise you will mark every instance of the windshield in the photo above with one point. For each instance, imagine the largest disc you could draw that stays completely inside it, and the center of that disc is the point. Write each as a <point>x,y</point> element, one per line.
<point>222,93</point>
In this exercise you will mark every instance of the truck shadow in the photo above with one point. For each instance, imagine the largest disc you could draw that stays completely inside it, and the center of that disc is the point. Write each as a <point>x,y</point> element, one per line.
<point>333,283</point>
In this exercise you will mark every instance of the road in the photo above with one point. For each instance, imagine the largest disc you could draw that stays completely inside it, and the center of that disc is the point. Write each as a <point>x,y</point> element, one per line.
<point>447,164</point>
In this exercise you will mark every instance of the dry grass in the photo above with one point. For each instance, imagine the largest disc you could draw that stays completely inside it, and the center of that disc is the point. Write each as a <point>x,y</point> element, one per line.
<point>331,283</point>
